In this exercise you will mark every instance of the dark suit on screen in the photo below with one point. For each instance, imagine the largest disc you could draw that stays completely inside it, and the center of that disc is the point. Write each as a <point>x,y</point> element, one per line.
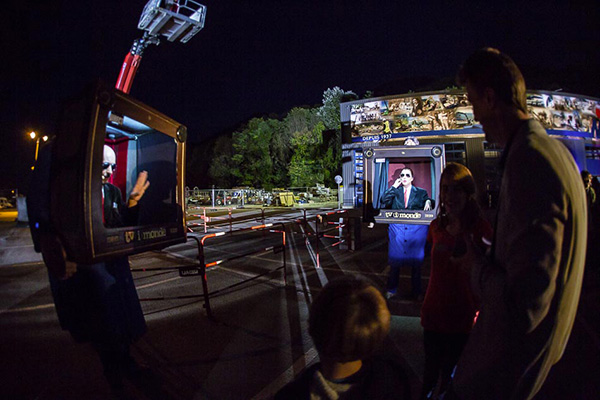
<point>393,198</point>
<point>406,241</point>
<point>115,212</point>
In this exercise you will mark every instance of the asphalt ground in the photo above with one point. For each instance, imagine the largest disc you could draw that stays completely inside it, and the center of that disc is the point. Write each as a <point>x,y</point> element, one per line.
<point>258,339</point>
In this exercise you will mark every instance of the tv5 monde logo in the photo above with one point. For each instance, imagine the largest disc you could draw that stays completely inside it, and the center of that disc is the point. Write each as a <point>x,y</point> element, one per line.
<point>129,236</point>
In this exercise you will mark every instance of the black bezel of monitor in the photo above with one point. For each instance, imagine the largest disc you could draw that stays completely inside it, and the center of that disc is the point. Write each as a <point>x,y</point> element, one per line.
<point>76,184</point>
<point>434,155</point>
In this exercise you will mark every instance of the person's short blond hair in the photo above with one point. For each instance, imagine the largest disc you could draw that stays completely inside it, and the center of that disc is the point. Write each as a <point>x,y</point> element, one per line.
<point>348,320</point>
<point>490,68</point>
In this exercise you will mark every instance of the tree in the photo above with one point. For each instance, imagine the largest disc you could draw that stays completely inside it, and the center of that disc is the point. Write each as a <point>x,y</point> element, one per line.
<point>301,150</point>
<point>329,112</point>
<point>298,126</point>
<point>306,167</point>
<point>222,163</point>
<point>251,162</point>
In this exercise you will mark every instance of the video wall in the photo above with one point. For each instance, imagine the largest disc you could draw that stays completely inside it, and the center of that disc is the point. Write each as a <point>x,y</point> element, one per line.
<point>386,118</point>
<point>564,112</point>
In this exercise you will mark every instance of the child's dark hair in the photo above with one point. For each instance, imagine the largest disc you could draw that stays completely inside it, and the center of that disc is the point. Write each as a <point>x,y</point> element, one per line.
<point>348,320</point>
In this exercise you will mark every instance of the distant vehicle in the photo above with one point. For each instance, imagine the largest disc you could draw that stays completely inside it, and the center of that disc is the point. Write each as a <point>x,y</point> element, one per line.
<point>4,203</point>
<point>223,199</point>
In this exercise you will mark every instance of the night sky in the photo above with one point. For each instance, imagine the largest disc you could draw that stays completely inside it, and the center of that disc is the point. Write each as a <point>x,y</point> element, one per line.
<point>261,57</point>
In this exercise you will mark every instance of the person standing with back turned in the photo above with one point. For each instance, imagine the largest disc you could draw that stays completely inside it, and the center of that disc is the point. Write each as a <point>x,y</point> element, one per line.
<point>531,282</point>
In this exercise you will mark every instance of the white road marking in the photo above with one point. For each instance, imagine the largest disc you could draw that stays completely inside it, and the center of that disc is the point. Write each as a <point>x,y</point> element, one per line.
<point>25,309</point>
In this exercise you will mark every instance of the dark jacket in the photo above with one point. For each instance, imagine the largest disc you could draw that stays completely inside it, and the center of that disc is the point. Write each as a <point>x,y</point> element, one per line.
<point>393,198</point>
<point>99,303</point>
<point>116,213</point>
<point>380,378</point>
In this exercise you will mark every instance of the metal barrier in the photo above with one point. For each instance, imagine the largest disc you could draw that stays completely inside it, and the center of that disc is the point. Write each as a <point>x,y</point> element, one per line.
<point>329,226</point>
<point>323,227</point>
<point>202,267</point>
<point>304,220</point>
<point>305,232</point>
<point>206,219</point>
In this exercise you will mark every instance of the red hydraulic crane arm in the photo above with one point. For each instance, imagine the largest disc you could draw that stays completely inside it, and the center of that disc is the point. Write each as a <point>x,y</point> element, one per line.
<point>174,19</point>
<point>132,61</point>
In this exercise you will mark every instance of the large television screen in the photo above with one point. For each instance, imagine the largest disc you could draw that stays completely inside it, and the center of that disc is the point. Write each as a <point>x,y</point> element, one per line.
<point>84,196</point>
<point>385,165</point>
<point>450,112</point>
<point>387,118</point>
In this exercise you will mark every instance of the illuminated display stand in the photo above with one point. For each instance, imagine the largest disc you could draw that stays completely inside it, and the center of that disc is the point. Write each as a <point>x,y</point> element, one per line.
<point>142,139</point>
<point>445,120</point>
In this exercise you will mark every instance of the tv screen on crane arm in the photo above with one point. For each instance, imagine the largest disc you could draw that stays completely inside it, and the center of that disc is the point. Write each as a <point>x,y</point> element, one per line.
<point>141,139</point>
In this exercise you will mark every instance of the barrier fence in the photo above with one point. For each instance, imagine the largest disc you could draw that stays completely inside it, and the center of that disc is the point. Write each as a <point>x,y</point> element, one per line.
<point>206,219</point>
<point>326,226</point>
<point>202,267</point>
<point>332,226</point>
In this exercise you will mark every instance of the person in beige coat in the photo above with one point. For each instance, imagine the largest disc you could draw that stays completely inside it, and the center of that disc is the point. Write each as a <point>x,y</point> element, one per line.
<point>530,282</point>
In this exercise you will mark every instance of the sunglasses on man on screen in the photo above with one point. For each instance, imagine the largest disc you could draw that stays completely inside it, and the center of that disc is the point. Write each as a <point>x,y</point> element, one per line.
<point>105,165</point>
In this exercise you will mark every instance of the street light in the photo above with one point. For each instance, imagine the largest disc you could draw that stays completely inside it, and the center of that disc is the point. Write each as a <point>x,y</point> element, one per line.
<point>37,139</point>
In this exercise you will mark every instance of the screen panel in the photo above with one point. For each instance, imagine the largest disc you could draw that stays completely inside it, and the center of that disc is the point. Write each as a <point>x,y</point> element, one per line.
<point>383,166</point>
<point>450,113</point>
<point>92,214</point>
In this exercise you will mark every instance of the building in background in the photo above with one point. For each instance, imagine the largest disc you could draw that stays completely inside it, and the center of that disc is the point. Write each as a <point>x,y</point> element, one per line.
<point>445,118</point>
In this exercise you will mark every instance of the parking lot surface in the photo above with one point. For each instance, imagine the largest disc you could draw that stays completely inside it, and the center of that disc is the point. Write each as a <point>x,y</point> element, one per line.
<point>258,339</point>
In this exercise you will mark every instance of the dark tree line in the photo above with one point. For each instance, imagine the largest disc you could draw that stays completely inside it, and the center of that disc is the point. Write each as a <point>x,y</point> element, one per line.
<point>268,152</point>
